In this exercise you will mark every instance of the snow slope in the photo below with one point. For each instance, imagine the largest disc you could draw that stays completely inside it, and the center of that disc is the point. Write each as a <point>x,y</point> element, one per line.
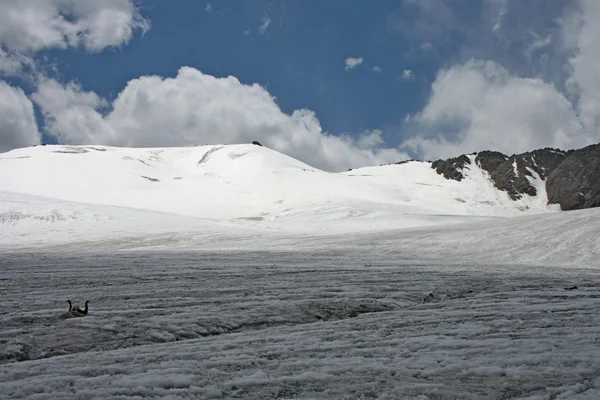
<point>561,239</point>
<point>33,221</point>
<point>253,183</point>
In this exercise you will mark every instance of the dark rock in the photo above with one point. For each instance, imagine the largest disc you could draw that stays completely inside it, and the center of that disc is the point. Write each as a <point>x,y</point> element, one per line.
<point>451,168</point>
<point>544,161</point>
<point>571,288</point>
<point>490,160</point>
<point>431,298</point>
<point>575,183</point>
<point>510,174</point>
<point>257,143</point>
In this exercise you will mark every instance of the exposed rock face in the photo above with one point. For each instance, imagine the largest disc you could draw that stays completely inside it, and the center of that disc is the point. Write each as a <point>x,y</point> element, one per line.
<point>511,174</point>
<point>452,168</point>
<point>257,143</point>
<point>575,183</point>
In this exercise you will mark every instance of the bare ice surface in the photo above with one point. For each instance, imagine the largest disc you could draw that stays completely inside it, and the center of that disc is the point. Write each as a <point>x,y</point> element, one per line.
<point>295,324</point>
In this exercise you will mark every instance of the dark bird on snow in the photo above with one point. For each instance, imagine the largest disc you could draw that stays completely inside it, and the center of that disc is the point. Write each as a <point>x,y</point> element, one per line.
<point>78,312</point>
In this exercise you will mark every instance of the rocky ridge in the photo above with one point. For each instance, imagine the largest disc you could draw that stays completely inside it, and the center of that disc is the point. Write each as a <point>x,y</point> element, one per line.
<point>572,178</point>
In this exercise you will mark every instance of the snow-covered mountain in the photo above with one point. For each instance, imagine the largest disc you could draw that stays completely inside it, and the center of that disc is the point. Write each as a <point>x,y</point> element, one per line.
<point>255,183</point>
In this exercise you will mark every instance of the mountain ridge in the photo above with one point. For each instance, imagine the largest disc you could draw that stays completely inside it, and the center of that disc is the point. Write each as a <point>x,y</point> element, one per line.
<point>572,177</point>
<point>258,186</point>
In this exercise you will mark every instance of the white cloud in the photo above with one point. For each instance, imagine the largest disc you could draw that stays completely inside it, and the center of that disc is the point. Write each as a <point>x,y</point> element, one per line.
<point>479,105</point>
<point>72,115</point>
<point>500,17</point>
<point>13,64</point>
<point>353,62</point>
<point>377,69</point>
<point>208,8</point>
<point>407,74</point>
<point>584,83</point>
<point>17,121</point>
<point>28,26</point>
<point>265,22</point>
<point>538,43</point>
<point>193,109</point>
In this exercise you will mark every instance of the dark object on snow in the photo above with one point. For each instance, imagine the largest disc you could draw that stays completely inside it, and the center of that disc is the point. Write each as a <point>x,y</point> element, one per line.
<point>257,143</point>
<point>78,312</point>
<point>429,298</point>
<point>571,288</point>
<point>575,183</point>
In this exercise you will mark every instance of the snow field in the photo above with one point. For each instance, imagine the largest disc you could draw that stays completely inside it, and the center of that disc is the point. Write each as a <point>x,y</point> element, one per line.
<point>29,223</point>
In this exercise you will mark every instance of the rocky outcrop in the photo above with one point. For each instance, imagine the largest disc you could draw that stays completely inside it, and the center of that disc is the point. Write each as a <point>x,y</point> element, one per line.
<point>452,168</point>
<point>575,183</point>
<point>513,174</point>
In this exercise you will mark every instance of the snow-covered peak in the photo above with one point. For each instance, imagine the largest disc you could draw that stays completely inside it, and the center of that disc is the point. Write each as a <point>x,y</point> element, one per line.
<point>252,183</point>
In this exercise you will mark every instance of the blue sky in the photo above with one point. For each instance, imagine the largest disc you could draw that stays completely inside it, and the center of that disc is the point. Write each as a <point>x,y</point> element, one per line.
<point>436,77</point>
<point>300,57</point>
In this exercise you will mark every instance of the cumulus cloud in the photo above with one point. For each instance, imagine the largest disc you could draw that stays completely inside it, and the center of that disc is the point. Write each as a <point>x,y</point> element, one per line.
<point>17,121</point>
<point>479,105</point>
<point>71,114</point>
<point>13,64</point>
<point>550,97</point>
<point>193,108</point>
<point>28,26</point>
<point>582,33</point>
<point>377,69</point>
<point>353,62</point>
